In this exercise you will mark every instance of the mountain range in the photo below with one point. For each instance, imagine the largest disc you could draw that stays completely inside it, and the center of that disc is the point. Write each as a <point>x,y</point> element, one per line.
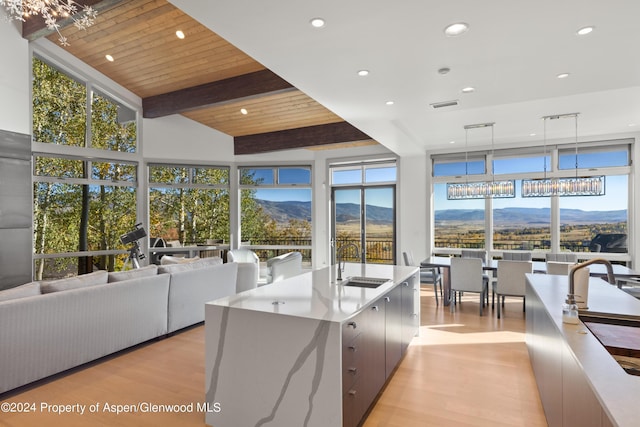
<point>282,212</point>
<point>532,216</point>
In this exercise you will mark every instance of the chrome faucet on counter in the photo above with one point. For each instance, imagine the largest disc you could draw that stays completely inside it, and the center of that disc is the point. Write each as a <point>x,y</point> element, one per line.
<point>610,277</point>
<point>340,255</point>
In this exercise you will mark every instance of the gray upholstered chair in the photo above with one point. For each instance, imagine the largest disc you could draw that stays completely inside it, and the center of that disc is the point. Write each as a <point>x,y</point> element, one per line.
<point>481,254</point>
<point>516,256</point>
<point>559,268</point>
<point>474,253</point>
<point>466,276</point>
<point>562,257</point>
<point>428,275</point>
<point>511,280</point>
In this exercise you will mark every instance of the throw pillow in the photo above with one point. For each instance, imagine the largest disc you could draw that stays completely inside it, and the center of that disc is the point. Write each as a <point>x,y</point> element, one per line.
<point>96,278</point>
<point>26,290</point>
<point>136,273</point>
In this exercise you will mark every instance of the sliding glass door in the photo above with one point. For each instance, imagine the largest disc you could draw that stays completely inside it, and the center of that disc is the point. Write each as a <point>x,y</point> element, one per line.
<point>365,217</point>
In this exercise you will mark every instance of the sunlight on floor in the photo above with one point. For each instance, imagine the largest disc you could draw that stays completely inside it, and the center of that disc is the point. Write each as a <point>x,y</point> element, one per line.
<point>447,334</point>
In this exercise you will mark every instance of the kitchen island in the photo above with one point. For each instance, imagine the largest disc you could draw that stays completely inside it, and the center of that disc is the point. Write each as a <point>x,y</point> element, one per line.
<point>308,351</point>
<point>580,382</point>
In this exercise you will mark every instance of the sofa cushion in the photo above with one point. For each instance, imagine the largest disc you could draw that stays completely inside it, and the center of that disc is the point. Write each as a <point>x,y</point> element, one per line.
<point>169,259</point>
<point>96,278</point>
<point>22,291</point>
<point>136,273</point>
<point>186,266</point>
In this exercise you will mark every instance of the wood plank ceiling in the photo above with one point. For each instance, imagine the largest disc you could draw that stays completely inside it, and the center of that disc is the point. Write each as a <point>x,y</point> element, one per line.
<point>202,77</point>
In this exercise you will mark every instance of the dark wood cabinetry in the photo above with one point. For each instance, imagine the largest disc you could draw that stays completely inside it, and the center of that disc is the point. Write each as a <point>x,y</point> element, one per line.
<point>373,344</point>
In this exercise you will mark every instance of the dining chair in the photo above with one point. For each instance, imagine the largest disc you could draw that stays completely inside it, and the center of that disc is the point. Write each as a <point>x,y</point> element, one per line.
<point>561,257</point>
<point>559,268</point>
<point>516,256</point>
<point>466,276</point>
<point>482,254</point>
<point>511,280</point>
<point>428,275</point>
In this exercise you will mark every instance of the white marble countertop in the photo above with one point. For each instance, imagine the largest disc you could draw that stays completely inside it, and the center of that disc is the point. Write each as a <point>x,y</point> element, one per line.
<point>315,295</point>
<point>617,391</point>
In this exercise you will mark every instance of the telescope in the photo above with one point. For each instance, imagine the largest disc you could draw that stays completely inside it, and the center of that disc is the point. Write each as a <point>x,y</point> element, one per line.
<point>133,235</point>
<point>134,251</point>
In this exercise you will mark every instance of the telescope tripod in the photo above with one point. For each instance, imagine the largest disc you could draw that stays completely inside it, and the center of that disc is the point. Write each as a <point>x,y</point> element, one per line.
<point>133,257</point>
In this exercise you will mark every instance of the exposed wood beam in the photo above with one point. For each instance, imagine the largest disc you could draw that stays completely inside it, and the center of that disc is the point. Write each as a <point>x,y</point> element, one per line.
<point>254,84</point>
<point>34,27</point>
<point>310,136</point>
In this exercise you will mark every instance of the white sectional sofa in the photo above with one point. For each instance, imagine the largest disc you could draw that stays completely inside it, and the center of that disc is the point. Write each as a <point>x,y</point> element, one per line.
<point>83,318</point>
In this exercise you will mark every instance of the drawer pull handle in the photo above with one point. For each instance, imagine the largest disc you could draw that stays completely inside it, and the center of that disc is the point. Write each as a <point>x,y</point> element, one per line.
<point>352,392</point>
<point>353,370</point>
<point>375,308</point>
<point>405,283</point>
<point>387,299</point>
<point>353,348</point>
<point>352,324</point>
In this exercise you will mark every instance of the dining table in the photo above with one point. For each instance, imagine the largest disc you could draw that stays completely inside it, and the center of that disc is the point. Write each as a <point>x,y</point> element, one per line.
<point>444,264</point>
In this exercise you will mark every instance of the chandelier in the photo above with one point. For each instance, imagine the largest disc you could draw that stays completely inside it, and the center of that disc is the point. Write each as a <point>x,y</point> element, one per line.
<point>480,190</point>
<point>51,11</point>
<point>575,186</point>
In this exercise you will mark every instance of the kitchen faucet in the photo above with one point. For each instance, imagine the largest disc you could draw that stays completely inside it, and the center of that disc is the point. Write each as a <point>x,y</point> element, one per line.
<point>610,278</point>
<point>340,255</point>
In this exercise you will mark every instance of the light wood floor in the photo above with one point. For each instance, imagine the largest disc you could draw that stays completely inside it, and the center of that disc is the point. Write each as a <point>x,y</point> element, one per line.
<point>463,370</point>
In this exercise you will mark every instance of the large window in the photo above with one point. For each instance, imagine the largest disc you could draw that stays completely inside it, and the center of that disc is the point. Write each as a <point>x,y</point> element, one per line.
<point>583,224</point>
<point>189,204</point>
<point>275,211</point>
<point>82,202</point>
<point>81,206</point>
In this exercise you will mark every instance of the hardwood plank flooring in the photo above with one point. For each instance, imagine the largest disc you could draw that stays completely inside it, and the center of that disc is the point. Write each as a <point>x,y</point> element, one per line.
<point>463,370</point>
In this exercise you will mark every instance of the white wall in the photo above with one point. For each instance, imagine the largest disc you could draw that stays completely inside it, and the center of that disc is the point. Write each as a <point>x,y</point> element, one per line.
<point>15,113</point>
<point>179,138</point>
<point>414,230</point>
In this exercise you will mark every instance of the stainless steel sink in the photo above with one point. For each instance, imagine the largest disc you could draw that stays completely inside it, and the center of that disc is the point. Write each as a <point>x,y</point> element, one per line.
<point>620,336</point>
<point>364,282</point>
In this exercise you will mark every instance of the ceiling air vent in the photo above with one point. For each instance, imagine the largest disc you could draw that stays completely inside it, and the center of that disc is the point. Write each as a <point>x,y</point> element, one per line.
<point>444,104</point>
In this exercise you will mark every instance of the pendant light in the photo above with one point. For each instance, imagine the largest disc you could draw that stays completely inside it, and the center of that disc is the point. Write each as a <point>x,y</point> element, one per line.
<point>576,186</point>
<point>479,190</point>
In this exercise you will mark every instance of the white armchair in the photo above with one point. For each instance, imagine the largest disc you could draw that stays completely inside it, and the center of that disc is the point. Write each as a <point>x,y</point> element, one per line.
<point>284,266</point>
<point>248,268</point>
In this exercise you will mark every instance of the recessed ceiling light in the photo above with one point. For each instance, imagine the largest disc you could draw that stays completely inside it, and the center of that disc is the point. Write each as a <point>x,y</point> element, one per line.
<point>244,111</point>
<point>180,34</point>
<point>532,134</point>
<point>468,89</point>
<point>456,29</point>
<point>452,142</point>
<point>389,102</point>
<point>585,30</point>
<point>562,75</point>
<point>631,125</point>
<point>317,22</point>
<point>109,58</point>
<point>363,73</point>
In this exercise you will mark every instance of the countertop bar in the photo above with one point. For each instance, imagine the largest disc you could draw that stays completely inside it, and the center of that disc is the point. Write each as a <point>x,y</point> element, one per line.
<point>617,391</point>
<point>315,295</point>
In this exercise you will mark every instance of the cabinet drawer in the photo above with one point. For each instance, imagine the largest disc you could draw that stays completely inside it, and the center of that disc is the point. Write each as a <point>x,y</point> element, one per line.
<point>352,328</point>
<point>351,363</point>
<point>353,406</point>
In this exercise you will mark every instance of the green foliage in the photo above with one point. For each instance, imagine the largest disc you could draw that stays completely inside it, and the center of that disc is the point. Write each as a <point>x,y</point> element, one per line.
<point>59,117</point>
